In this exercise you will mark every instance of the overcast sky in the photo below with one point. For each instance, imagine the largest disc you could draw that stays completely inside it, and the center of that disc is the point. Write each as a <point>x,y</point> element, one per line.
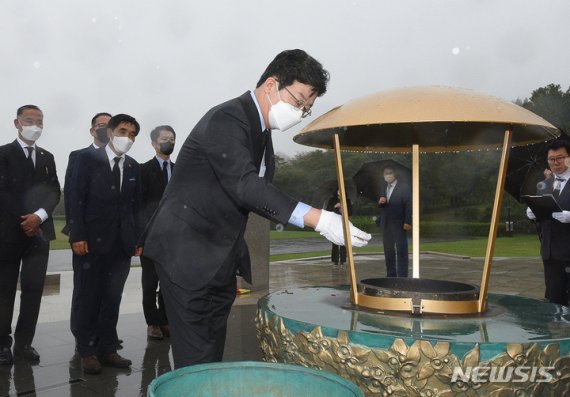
<point>169,61</point>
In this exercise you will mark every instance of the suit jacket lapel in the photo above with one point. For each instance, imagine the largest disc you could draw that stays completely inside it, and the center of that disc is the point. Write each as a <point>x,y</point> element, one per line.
<point>127,175</point>
<point>257,135</point>
<point>564,191</point>
<point>103,160</point>
<point>23,159</point>
<point>41,163</point>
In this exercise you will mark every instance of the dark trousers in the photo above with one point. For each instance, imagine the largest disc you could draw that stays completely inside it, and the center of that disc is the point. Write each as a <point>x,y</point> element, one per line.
<point>556,281</point>
<point>338,253</point>
<point>98,283</point>
<point>395,240</point>
<point>198,318</point>
<point>32,254</point>
<point>152,301</point>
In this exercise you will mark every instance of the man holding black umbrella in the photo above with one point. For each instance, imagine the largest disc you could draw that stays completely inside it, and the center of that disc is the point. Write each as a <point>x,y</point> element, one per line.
<point>395,220</point>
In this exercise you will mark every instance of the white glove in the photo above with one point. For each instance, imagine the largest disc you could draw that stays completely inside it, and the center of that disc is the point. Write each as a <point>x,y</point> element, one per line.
<point>562,217</point>
<point>330,227</point>
<point>529,214</point>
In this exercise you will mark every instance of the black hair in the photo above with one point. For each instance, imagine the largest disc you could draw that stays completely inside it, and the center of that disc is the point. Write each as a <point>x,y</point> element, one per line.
<point>123,118</point>
<point>94,119</point>
<point>156,132</point>
<point>21,109</point>
<point>557,144</point>
<point>296,65</point>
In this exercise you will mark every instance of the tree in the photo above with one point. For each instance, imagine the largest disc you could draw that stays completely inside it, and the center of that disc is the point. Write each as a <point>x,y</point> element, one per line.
<point>552,104</point>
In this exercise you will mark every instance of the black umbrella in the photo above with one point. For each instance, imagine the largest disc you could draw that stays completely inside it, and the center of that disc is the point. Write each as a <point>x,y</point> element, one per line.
<point>329,189</point>
<point>370,177</point>
<point>526,168</point>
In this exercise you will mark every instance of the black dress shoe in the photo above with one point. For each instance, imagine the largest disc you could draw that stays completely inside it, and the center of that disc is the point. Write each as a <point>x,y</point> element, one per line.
<point>27,352</point>
<point>6,356</point>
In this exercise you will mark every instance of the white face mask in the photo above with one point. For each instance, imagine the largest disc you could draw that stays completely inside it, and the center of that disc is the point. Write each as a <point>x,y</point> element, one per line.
<point>122,144</point>
<point>389,178</point>
<point>283,115</point>
<point>31,132</point>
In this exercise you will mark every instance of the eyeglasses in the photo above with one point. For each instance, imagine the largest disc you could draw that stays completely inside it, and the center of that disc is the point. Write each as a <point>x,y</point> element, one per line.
<point>299,104</point>
<point>556,160</point>
<point>100,125</point>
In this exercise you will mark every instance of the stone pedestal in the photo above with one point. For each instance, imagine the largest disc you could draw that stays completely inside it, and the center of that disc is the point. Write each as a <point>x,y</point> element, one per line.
<point>257,239</point>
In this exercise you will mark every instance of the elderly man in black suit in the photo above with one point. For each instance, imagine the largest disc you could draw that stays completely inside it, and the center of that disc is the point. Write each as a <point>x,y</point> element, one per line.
<point>105,226</point>
<point>224,171</point>
<point>395,221</point>
<point>155,175</point>
<point>555,231</point>
<point>29,192</point>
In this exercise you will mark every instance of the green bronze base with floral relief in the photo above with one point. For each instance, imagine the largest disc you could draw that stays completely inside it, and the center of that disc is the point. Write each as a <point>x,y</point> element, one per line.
<point>519,347</point>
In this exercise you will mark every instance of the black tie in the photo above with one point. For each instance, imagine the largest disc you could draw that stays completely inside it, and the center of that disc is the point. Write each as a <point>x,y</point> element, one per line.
<point>165,172</point>
<point>117,174</point>
<point>556,191</point>
<point>269,154</point>
<point>30,150</point>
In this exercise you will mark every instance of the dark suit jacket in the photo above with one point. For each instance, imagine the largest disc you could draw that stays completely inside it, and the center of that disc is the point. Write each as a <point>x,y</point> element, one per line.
<point>98,212</point>
<point>153,185</point>
<point>24,190</point>
<point>67,186</point>
<point>399,208</point>
<point>555,236</point>
<point>199,225</point>
<point>334,200</point>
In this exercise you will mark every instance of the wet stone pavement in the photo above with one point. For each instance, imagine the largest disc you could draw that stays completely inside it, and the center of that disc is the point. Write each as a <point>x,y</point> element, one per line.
<point>59,373</point>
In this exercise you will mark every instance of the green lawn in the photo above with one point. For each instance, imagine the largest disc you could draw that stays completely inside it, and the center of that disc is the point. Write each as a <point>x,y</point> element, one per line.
<point>523,245</point>
<point>519,245</point>
<point>61,240</point>
<point>293,234</point>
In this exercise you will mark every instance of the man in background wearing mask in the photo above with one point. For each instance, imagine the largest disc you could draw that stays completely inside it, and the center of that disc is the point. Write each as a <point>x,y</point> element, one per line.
<point>395,221</point>
<point>98,131</point>
<point>104,213</point>
<point>223,171</point>
<point>155,175</point>
<point>29,192</point>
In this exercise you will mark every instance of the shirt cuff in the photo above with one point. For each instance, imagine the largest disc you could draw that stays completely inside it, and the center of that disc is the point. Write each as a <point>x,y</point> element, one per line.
<point>42,214</point>
<point>298,213</point>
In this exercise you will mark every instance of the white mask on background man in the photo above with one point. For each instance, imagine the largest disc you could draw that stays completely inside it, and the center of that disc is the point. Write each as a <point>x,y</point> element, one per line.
<point>122,144</point>
<point>283,115</point>
<point>31,132</point>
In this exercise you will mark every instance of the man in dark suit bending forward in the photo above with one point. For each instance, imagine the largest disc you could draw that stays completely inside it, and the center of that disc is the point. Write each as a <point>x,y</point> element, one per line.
<point>224,171</point>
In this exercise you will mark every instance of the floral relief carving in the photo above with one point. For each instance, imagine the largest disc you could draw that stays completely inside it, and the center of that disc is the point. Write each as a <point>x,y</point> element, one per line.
<point>422,368</point>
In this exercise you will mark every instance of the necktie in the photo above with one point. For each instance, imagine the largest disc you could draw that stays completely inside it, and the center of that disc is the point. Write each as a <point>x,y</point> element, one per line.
<point>117,174</point>
<point>557,185</point>
<point>388,191</point>
<point>268,155</point>
<point>165,171</point>
<point>30,150</point>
